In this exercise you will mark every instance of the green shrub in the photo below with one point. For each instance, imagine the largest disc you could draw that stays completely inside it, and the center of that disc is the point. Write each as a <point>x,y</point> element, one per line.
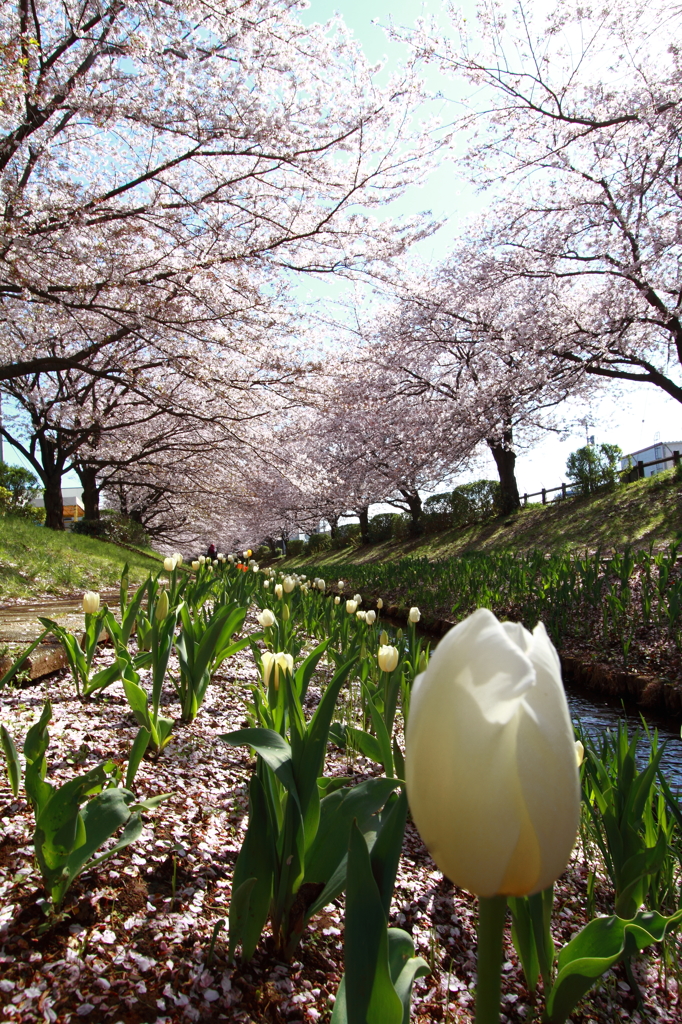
<point>295,547</point>
<point>319,542</point>
<point>381,526</point>
<point>115,527</point>
<point>264,551</point>
<point>346,536</point>
<point>479,499</point>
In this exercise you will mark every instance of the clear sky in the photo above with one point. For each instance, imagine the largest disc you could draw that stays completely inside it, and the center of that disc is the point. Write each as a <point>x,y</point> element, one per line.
<point>630,418</point>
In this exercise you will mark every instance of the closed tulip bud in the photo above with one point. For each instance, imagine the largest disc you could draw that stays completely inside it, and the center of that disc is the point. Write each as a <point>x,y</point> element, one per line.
<point>230,559</point>
<point>279,590</point>
<point>215,561</point>
<point>266,584</point>
<point>579,752</point>
<point>351,607</point>
<point>370,617</point>
<point>388,658</point>
<point>285,613</point>
<point>415,615</point>
<point>161,610</point>
<point>303,578</point>
<point>177,558</point>
<point>202,559</point>
<point>169,563</point>
<point>288,583</point>
<point>357,598</point>
<point>337,599</point>
<point>321,584</point>
<point>380,603</point>
<point>90,602</point>
<point>245,554</point>
<point>383,638</point>
<point>220,556</point>
<point>254,567</point>
<point>195,565</point>
<point>341,585</point>
<point>266,618</point>
<point>267,660</point>
<point>490,759</point>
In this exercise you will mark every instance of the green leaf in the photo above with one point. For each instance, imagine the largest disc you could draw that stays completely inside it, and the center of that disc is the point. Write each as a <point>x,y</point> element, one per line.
<point>304,672</point>
<point>523,937</point>
<point>404,967</point>
<point>140,744</point>
<point>37,739</point>
<point>595,949</point>
<point>337,812</point>
<point>367,744</point>
<point>137,699</point>
<point>274,750</point>
<point>23,657</point>
<point>369,990</point>
<point>256,860</point>
<point>388,846</point>
<point>102,817</point>
<point>13,766</point>
<point>105,677</point>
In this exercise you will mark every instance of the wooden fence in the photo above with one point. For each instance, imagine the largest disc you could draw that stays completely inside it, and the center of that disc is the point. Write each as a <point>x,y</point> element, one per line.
<point>636,473</point>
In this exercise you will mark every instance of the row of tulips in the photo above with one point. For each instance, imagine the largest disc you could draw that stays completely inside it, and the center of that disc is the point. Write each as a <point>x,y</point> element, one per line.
<point>618,597</point>
<point>477,738</point>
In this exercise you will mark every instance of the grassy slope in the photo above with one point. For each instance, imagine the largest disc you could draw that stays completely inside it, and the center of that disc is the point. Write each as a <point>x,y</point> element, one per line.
<point>36,561</point>
<point>649,511</point>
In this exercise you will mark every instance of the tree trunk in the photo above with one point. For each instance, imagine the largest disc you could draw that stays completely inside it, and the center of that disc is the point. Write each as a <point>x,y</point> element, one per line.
<point>414,503</point>
<point>54,509</point>
<point>505,460</point>
<point>333,525</point>
<point>88,478</point>
<point>363,516</point>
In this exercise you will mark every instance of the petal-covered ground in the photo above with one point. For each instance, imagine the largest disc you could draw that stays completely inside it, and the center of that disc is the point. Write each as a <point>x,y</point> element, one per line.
<point>143,936</point>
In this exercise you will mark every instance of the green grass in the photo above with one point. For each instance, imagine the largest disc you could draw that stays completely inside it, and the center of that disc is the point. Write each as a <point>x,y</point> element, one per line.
<point>36,561</point>
<point>638,514</point>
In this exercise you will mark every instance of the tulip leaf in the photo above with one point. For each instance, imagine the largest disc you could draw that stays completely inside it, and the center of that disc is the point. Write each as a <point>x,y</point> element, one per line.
<point>367,744</point>
<point>305,671</point>
<point>337,812</point>
<point>253,877</point>
<point>404,967</point>
<point>274,750</point>
<point>388,847</point>
<point>595,949</point>
<point>137,750</point>
<point>13,765</point>
<point>369,990</point>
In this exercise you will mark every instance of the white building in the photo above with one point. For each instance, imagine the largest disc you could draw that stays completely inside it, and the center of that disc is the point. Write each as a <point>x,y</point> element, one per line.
<point>659,450</point>
<point>72,502</point>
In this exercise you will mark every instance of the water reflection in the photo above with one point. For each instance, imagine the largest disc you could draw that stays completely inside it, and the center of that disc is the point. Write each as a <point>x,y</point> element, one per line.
<point>597,713</point>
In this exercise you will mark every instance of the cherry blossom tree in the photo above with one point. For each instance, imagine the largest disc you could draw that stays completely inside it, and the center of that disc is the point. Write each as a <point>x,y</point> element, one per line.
<point>164,167</point>
<point>574,125</point>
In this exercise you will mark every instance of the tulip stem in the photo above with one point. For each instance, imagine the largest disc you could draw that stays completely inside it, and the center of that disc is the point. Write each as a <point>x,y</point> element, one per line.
<point>491,914</point>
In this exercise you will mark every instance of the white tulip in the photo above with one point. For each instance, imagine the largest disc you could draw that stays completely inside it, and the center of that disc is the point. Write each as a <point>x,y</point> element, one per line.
<point>266,584</point>
<point>196,564</point>
<point>351,607</point>
<point>288,583</point>
<point>279,590</point>
<point>361,615</point>
<point>341,585</point>
<point>579,752</point>
<point>490,759</point>
<point>415,615</point>
<point>321,585</point>
<point>90,602</point>
<point>254,567</point>
<point>357,598</point>
<point>387,657</point>
<point>230,559</point>
<point>380,603</point>
<point>337,599</point>
<point>202,559</point>
<point>266,618</point>
<point>370,617</point>
<point>177,558</point>
<point>169,563</point>
<point>278,661</point>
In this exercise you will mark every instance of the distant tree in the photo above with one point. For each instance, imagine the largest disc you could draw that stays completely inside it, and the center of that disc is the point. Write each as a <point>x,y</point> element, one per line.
<point>594,466</point>
<point>21,483</point>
